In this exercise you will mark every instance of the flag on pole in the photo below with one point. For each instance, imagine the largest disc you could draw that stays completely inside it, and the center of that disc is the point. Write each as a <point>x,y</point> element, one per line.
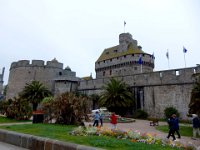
<point>184,50</point>
<point>140,59</point>
<point>153,56</point>
<point>124,23</point>
<point>167,55</point>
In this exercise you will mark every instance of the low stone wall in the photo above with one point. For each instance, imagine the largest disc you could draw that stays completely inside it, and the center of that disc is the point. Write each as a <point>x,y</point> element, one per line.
<point>33,142</point>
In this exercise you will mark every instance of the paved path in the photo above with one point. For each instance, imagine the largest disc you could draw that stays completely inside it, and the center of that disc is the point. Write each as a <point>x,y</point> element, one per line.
<point>6,146</point>
<point>144,127</point>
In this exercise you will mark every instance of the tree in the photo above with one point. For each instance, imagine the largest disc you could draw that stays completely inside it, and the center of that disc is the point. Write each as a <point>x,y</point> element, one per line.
<point>194,105</point>
<point>116,97</point>
<point>34,93</point>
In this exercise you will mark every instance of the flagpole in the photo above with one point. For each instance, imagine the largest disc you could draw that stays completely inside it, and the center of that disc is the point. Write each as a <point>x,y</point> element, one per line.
<point>168,64</point>
<point>184,51</point>
<point>184,60</point>
<point>168,58</point>
<point>141,68</point>
<point>124,26</point>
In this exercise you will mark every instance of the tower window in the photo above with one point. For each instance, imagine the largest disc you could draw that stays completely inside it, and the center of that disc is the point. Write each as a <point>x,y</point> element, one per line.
<point>177,73</point>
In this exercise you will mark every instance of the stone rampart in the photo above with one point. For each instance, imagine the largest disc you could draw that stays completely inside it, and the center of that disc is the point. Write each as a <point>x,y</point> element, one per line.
<point>165,77</point>
<point>161,89</point>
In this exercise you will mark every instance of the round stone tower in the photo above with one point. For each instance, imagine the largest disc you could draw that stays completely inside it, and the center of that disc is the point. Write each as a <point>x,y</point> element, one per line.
<point>23,72</point>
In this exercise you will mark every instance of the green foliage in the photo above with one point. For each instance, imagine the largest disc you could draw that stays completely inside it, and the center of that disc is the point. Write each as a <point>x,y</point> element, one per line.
<point>169,111</point>
<point>116,97</point>
<point>70,109</point>
<point>46,105</point>
<point>194,104</point>
<point>18,109</point>
<point>34,93</point>
<point>141,114</point>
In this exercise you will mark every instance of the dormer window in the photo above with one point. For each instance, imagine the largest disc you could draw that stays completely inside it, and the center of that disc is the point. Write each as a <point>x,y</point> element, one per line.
<point>115,51</point>
<point>107,53</point>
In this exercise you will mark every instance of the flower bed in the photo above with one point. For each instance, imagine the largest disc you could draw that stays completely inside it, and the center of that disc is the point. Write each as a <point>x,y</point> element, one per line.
<point>132,135</point>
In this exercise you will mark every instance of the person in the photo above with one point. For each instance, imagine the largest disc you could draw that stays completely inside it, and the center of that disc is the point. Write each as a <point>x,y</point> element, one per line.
<point>171,122</point>
<point>195,125</point>
<point>113,121</point>
<point>176,125</point>
<point>96,119</point>
<point>101,117</point>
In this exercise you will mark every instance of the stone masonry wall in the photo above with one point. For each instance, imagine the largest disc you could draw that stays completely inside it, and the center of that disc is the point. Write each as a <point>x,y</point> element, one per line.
<point>23,72</point>
<point>161,89</point>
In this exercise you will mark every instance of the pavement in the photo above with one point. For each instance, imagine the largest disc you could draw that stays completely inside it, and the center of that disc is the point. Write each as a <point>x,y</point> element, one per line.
<point>6,146</point>
<point>143,126</point>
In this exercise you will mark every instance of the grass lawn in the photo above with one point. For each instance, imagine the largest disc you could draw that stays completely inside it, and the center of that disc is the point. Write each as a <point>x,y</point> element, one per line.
<point>7,120</point>
<point>184,130</point>
<point>61,132</point>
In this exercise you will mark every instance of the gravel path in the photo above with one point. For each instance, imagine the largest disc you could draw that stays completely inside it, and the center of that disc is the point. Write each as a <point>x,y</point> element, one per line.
<point>144,126</point>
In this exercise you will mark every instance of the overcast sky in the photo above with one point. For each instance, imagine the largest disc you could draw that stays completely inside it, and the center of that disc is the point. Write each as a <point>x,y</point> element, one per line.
<point>75,32</point>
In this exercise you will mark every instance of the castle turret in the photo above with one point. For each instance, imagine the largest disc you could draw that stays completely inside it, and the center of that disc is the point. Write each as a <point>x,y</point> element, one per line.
<point>23,72</point>
<point>123,59</point>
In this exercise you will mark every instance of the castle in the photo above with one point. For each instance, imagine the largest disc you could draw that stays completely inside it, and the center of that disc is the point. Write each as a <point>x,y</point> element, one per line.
<point>153,91</point>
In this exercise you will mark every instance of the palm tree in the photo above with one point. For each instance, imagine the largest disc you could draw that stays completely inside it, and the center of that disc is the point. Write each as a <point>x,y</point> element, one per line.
<point>195,98</point>
<point>34,93</point>
<point>116,97</point>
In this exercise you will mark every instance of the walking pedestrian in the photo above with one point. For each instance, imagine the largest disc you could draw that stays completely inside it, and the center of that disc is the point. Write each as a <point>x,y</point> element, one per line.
<point>113,121</point>
<point>195,125</point>
<point>176,125</point>
<point>101,117</point>
<point>96,119</point>
<point>171,122</point>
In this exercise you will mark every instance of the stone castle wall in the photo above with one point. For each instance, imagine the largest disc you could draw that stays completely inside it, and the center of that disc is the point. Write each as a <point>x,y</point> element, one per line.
<point>161,89</point>
<point>23,72</point>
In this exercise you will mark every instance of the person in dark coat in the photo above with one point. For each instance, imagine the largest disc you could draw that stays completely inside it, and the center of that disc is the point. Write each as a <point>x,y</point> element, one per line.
<point>176,125</point>
<point>195,125</point>
<point>171,122</point>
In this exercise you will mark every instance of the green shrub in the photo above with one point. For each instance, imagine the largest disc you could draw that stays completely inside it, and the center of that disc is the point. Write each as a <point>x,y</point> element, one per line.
<point>141,114</point>
<point>169,111</point>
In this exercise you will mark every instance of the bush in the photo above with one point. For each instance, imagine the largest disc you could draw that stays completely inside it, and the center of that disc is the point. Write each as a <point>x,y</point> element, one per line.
<point>169,111</point>
<point>141,114</point>
<point>18,109</point>
<point>69,109</point>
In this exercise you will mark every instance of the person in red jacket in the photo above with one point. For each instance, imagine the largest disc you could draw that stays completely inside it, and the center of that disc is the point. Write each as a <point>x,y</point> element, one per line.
<point>113,120</point>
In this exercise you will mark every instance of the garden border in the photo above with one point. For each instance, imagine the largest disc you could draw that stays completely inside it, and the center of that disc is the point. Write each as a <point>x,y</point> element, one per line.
<point>31,142</point>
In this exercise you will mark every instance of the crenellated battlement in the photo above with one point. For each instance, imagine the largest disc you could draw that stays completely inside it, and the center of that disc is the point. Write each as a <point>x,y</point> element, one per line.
<point>36,63</point>
<point>158,78</point>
